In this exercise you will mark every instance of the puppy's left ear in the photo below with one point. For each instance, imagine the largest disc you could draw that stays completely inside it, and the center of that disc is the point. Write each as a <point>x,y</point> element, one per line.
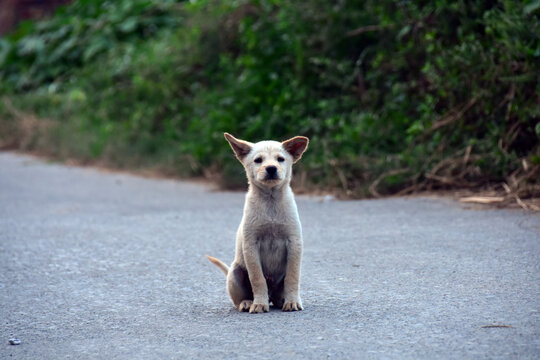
<point>296,146</point>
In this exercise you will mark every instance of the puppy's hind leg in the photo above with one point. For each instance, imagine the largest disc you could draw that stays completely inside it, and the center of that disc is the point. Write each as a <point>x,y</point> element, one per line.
<point>239,288</point>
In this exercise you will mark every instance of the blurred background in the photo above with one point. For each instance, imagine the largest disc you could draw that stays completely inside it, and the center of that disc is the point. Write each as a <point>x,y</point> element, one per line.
<point>397,97</point>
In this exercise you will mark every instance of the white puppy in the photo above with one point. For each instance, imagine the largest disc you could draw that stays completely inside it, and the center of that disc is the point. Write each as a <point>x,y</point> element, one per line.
<point>266,268</point>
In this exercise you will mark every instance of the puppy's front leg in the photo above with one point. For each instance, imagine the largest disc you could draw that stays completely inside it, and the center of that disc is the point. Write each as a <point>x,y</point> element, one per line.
<point>256,277</point>
<point>292,276</point>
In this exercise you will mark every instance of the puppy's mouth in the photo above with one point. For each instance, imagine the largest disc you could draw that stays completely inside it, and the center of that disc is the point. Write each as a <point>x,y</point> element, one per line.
<point>269,180</point>
<point>271,177</point>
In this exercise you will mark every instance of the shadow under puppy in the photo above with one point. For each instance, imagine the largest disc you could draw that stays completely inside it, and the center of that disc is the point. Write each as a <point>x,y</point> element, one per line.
<point>266,267</point>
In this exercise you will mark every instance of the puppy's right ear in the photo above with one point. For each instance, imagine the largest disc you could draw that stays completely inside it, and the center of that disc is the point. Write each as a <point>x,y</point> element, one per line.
<point>240,147</point>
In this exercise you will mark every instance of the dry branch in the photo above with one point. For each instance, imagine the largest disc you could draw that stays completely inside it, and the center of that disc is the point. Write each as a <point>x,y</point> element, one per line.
<point>482,199</point>
<point>451,116</point>
<point>374,184</point>
<point>368,28</point>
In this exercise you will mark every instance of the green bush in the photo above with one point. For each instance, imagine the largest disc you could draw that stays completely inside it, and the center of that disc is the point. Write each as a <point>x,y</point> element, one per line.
<point>395,96</point>
<point>48,52</point>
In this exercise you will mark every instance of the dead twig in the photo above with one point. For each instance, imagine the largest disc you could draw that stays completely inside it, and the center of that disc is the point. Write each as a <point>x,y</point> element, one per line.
<point>451,116</point>
<point>342,179</point>
<point>415,187</point>
<point>510,98</point>
<point>374,184</point>
<point>467,155</point>
<point>510,137</point>
<point>368,28</point>
<point>450,180</point>
<point>521,203</point>
<point>452,170</point>
<point>482,199</point>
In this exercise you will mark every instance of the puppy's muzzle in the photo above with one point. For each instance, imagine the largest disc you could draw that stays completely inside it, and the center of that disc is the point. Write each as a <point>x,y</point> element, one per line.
<point>271,173</point>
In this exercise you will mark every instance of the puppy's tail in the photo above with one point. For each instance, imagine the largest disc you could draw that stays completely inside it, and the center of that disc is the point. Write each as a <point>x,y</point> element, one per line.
<point>219,264</point>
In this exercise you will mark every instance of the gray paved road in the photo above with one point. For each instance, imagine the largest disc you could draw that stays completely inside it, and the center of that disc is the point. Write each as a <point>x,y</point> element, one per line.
<point>97,265</point>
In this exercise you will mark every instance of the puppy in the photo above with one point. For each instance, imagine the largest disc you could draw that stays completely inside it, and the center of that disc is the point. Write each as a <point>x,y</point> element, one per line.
<point>266,267</point>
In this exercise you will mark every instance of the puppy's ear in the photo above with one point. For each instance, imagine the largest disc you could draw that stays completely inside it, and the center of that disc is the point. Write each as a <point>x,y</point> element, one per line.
<point>240,147</point>
<point>296,146</point>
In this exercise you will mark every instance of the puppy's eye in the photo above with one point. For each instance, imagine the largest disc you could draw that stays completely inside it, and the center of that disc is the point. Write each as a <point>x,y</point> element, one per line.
<point>258,160</point>
<point>280,159</point>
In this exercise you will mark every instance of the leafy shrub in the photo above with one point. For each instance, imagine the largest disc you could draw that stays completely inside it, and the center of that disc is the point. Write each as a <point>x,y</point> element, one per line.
<point>395,96</point>
<point>49,51</point>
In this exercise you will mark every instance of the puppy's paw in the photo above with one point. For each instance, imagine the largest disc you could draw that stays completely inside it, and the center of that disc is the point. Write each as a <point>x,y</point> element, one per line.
<point>245,305</point>
<point>258,308</point>
<point>294,305</point>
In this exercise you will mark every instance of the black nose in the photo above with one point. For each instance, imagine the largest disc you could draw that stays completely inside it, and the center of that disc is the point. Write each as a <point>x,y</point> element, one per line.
<point>271,170</point>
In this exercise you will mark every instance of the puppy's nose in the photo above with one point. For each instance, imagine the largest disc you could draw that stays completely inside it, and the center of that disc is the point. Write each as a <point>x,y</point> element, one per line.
<point>271,170</point>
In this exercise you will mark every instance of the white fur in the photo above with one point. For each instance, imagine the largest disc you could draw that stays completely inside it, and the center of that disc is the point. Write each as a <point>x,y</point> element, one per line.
<point>269,238</point>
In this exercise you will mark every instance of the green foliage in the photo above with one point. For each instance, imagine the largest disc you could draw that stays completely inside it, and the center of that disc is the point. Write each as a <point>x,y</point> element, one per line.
<point>400,95</point>
<point>49,51</point>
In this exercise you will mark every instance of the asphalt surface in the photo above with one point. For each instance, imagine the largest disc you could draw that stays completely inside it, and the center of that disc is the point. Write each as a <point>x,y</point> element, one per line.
<point>97,265</point>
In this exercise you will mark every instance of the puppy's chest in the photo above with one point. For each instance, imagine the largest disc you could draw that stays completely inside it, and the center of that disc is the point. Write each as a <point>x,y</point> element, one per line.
<point>273,240</point>
<point>272,236</point>
<point>272,226</point>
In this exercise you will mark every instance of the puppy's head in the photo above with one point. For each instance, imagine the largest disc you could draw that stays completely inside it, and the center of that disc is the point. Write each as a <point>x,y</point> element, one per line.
<point>268,163</point>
